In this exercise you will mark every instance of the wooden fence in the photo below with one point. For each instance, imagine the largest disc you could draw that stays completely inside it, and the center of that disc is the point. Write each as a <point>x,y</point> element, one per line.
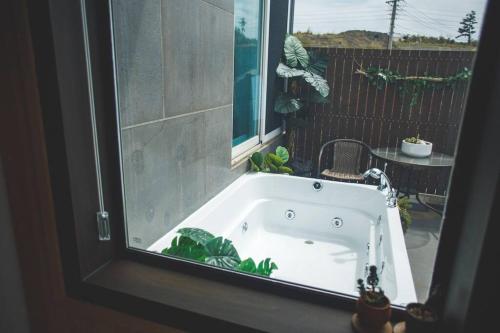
<point>383,117</point>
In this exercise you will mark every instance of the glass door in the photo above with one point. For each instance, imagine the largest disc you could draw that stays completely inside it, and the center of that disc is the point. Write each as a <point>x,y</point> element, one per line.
<point>247,72</point>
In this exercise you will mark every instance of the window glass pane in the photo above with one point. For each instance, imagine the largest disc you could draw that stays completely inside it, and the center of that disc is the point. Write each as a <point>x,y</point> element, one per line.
<point>247,68</point>
<point>278,13</point>
<point>188,78</point>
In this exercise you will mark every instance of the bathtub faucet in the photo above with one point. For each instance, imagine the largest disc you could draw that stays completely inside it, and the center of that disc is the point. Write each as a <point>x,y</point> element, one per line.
<point>384,186</point>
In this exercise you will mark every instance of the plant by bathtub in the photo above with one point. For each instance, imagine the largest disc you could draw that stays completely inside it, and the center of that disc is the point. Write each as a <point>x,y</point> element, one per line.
<point>404,206</point>
<point>271,162</point>
<point>373,306</point>
<point>200,245</point>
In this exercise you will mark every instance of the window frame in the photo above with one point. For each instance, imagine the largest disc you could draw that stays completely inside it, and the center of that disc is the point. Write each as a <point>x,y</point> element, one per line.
<point>248,146</point>
<point>76,229</point>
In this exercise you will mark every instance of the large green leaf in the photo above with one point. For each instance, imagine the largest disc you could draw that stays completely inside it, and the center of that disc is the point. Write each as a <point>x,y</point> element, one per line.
<point>272,159</point>
<point>288,72</point>
<point>257,158</point>
<point>197,235</point>
<point>317,64</point>
<point>266,267</point>
<point>285,170</point>
<point>253,166</point>
<point>282,153</point>
<point>221,253</point>
<point>187,248</point>
<point>318,83</point>
<point>247,265</point>
<point>217,251</point>
<point>285,104</point>
<point>295,53</point>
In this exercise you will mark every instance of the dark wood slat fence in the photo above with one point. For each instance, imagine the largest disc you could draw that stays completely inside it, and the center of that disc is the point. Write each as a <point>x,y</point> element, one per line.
<point>383,117</point>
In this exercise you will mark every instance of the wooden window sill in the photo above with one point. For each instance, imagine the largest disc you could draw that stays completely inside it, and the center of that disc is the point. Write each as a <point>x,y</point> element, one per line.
<point>212,302</point>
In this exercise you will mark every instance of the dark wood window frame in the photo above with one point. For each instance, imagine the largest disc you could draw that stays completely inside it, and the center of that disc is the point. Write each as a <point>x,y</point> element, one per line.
<point>192,296</point>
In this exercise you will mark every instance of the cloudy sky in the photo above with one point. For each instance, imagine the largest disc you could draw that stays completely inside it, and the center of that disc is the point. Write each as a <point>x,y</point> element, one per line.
<point>422,17</point>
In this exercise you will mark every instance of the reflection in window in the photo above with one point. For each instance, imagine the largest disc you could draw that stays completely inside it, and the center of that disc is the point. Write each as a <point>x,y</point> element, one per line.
<point>247,66</point>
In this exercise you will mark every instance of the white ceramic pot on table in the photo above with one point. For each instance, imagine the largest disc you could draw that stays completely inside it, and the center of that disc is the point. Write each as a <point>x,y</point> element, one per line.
<point>422,149</point>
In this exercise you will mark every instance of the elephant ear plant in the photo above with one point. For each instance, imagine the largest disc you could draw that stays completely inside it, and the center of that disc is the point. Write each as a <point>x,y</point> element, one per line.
<point>200,245</point>
<point>299,66</point>
<point>271,162</point>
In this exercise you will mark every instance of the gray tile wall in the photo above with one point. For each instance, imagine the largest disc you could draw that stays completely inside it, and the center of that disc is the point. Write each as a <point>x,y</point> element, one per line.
<point>175,84</point>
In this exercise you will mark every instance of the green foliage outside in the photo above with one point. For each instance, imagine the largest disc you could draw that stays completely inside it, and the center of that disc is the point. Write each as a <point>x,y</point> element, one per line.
<point>300,65</point>
<point>468,26</point>
<point>361,39</point>
<point>404,206</point>
<point>271,162</point>
<point>412,85</point>
<point>200,245</point>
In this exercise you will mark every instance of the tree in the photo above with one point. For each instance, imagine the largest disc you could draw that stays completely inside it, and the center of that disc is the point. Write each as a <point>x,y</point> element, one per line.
<point>243,24</point>
<point>467,26</point>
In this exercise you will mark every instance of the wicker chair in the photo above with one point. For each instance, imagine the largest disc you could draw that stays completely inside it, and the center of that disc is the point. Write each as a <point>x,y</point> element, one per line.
<point>348,156</point>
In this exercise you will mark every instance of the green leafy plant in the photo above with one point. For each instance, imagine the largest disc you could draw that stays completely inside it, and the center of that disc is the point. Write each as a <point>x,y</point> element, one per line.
<point>271,162</point>
<point>412,85</point>
<point>298,65</point>
<point>372,295</point>
<point>264,268</point>
<point>404,206</point>
<point>414,140</point>
<point>200,245</point>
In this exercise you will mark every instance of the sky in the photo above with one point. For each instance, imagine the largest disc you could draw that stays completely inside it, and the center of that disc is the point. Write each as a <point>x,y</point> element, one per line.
<point>417,17</point>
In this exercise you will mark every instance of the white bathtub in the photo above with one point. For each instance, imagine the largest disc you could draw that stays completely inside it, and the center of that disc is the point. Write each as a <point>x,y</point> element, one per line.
<point>334,234</point>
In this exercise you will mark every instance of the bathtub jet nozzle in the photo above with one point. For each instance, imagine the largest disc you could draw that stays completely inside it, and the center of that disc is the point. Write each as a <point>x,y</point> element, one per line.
<point>318,186</point>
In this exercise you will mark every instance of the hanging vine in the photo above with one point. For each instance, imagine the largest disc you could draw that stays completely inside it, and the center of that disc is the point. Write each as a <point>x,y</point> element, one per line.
<point>413,85</point>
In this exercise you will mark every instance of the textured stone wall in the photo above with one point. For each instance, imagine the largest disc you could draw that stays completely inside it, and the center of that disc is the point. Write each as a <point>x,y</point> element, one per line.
<point>175,89</point>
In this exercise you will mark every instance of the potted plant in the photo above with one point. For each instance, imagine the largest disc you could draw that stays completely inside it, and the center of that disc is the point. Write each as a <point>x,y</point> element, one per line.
<point>373,307</point>
<point>416,147</point>
<point>421,318</point>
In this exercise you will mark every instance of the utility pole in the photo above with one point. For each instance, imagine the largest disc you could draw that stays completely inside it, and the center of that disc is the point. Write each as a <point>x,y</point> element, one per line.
<point>394,4</point>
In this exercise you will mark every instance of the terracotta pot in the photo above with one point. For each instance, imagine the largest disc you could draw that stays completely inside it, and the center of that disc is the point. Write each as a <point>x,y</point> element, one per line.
<point>372,316</point>
<point>416,324</point>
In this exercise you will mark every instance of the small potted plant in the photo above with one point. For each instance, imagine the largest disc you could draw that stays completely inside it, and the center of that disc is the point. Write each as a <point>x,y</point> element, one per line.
<point>421,318</point>
<point>416,147</point>
<point>373,307</point>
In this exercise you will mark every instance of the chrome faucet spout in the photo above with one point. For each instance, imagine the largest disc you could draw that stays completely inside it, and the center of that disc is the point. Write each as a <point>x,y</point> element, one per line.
<point>374,173</point>
<point>384,185</point>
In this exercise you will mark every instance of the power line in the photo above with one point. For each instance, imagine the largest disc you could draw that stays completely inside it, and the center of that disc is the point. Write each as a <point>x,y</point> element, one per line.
<point>430,20</point>
<point>426,24</point>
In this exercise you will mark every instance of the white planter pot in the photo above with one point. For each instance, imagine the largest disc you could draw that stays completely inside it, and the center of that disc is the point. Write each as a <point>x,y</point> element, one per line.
<point>423,149</point>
